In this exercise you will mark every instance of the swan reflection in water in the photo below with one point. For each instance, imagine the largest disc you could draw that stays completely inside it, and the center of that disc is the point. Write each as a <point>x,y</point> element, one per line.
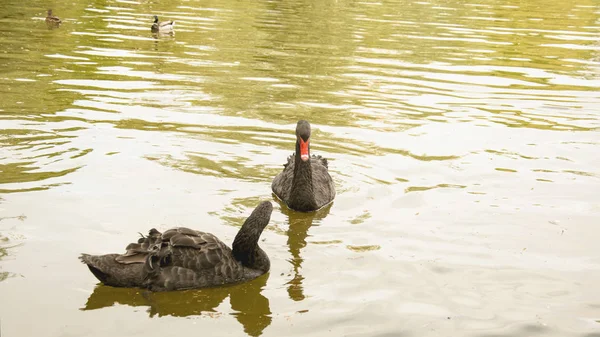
<point>250,307</point>
<point>297,225</point>
<point>297,232</point>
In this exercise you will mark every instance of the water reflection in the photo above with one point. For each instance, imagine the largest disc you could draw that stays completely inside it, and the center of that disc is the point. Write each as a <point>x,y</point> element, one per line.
<point>36,157</point>
<point>299,224</point>
<point>250,307</point>
<point>52,25</point>
<point>159,35</point>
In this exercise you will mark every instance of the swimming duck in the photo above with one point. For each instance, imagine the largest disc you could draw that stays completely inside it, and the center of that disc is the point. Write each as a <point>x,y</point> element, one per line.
<point>304,184</point>
<point>51,19</point>
<point>182,258</point>
<point>165,26</point>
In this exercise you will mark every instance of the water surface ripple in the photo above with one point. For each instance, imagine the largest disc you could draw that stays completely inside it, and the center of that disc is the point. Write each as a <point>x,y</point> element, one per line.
<point>462,136</point>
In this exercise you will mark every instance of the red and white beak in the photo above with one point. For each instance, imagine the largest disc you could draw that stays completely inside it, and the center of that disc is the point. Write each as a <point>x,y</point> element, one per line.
<point>303,149</point>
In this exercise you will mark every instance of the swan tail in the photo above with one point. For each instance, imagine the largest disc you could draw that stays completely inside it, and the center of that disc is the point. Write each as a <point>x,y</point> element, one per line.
<point>110,272</point>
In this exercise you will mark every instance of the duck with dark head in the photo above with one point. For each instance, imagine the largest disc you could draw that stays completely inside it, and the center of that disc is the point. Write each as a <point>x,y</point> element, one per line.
<point>304,184</point>
<point>162,27</point>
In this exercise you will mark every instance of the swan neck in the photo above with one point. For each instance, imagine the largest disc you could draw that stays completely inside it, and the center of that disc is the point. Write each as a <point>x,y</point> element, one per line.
<point>302,196</point>
<point>245,245</point>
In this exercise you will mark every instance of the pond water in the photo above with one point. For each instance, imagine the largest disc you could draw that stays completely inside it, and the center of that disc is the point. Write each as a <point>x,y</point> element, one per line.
<point>463,138</point>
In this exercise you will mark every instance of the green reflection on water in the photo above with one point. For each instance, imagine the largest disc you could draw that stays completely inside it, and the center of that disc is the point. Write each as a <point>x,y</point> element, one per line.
<point>249,306</point>
<point>337,64</point>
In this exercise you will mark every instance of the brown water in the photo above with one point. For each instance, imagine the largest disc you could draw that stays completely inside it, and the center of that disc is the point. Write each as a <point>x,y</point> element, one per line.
<point>463,138</point>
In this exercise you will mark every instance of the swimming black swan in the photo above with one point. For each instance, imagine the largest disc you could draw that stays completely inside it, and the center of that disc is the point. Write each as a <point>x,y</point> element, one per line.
<point>304,184</point>
<point>182,258</point>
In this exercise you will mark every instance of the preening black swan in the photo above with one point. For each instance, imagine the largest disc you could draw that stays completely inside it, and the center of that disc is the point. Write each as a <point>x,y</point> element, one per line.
<point>304,184</point>
<point>182,258</point>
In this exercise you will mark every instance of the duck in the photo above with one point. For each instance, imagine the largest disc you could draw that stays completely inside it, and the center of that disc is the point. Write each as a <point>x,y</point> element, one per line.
<point>304,184</point>
<point>162,27</point>
<point>51,19</point>
<point>183,258</point>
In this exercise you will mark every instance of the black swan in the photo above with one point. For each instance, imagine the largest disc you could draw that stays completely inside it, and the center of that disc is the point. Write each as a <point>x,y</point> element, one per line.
<point>182,258</point>
<point>304,184</point>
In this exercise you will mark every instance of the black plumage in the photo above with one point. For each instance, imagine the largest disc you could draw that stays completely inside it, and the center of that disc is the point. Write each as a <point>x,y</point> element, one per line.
<point>304,184</point>
<point>183,258</point>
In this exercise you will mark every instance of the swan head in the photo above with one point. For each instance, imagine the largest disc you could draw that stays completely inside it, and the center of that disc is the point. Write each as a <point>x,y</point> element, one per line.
<point>303,138</point>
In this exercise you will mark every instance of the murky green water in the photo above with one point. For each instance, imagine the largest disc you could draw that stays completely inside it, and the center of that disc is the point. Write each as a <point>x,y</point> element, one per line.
<point>463,137</point>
